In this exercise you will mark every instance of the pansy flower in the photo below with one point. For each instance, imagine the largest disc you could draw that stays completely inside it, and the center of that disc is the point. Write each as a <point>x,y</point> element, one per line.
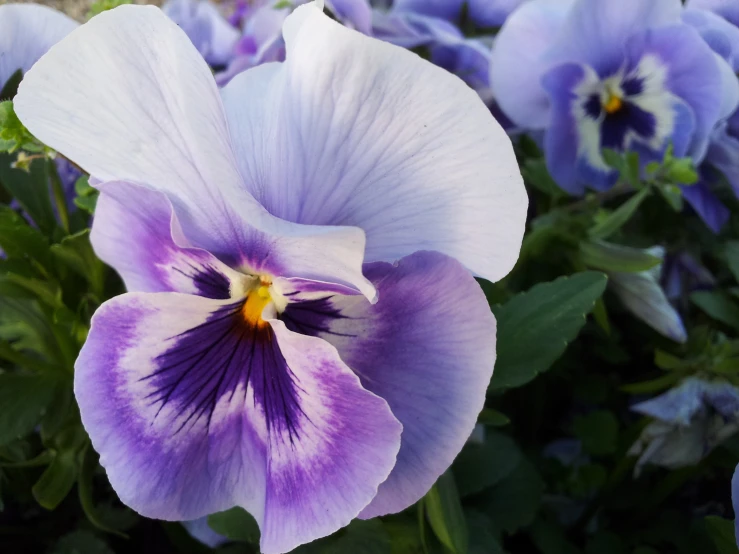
<point>447,46</point>
<point>689,421</point>
<point>261,37</point>
<point>482,13</point>
<point>27,31</point>
<point>717,24</point>
<point>303,335</point>
<point>598,74</point>
<point>210,32</point>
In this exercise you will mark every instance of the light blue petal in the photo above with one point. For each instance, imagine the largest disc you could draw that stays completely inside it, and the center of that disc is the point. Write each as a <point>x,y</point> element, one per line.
<point>491,13</point>
<point>520,59</point>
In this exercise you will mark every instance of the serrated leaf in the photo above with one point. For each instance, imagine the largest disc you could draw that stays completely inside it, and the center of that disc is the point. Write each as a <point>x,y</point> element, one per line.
<point>535,327</point>
<point>445,516</point>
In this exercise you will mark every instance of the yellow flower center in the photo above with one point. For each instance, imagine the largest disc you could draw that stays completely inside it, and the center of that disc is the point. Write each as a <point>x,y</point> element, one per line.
<point>256,300</point>
<point>613,104</point>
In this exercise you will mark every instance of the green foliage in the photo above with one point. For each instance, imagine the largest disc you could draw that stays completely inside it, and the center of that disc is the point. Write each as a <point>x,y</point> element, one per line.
<point>443,510</point>
<point>722,534</point>
<point>13,135</point>
<point>535,327</point>
<point>96,8</point>
<point>236,524</point>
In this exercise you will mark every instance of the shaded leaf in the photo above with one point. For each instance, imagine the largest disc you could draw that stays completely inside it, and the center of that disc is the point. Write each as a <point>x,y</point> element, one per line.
<point>619,217</point>
<point>24,399</point>
<point>237,524</point>
<point>480,466</point>
<point>598,432</point>
<point>444,513</point>
<point>535,327</point>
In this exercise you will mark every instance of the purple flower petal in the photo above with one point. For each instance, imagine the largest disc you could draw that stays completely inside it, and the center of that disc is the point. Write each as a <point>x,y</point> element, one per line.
<point>706,204</point>
<point>27,31</point>
<point>398,147</point>
<point>195,409</point>
<point>128,98</point>
<point>133,232</point>
<point>210,32</point>
<point>492,13</point>
<point>520,59</point>
<point>596,31</point>
<point>427,347</point>
<point>445,9</point>
<point>728,9</point>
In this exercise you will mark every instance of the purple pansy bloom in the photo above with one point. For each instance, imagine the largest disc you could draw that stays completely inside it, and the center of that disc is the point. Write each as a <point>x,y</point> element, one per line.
<point>299,250</point>
<point>689,421</point>
<point>210,32</point>
<point>719,30</point>
<point>27,31</point>
<point>469,59</point>
<point>598,74</point>
<point>261,38</point>
<point>483,13</point>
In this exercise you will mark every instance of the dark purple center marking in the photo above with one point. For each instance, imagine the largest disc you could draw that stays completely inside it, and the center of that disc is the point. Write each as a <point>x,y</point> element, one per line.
<point>213,359</point>
<point>209,282</point>
<point>312,317</point>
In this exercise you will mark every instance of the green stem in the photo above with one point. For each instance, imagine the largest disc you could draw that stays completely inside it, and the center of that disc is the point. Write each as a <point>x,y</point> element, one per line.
<point>59,199</point>
<point>599,198</point>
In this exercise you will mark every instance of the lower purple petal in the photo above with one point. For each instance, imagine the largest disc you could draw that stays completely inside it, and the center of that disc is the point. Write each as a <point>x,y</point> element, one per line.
<point>427,347</point>
<point>194,410</point>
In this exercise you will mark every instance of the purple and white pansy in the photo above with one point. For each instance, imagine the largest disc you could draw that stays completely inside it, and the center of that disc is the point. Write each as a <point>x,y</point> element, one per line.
<point>595,74</point>
<point>303,335</point>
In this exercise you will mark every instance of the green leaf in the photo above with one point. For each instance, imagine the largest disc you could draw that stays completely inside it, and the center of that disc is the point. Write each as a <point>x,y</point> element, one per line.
<point>619,217</point>
<point>482,538</point>
<point>614,257</point>
<point>87,196</point>
<point>598,432</point>
<point>719,305</point>
<point>480,466</point>
<point>681,171</point>
<point>550,538</point>
<point>24,399</point>
<point>673,195</point>
<point>732,257</point>
<point>31,190</point>
<point>55,483</point>
<point>12,132</point>
<point>361,537</point>
<point>722,534</point>
<point>20,240</point>
<point>76,253</point>
<point>536,173</point>
<point>84,488</point>
<point>493,418</point>
<point>444,513</point>
<point>237,524</point>
<point>535,327</point>
<point>81,542</point>
<point>514,502</point>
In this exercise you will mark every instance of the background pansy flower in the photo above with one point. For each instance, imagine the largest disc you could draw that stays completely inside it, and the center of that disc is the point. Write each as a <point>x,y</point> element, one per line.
<point>268,354</point>
<point>261,24</point>
<point>482,13</point>
<point>689,421</point>
<point>27,31</point>
<point>447,46</point>
<point>722,156</point>
<point>596,74</point>
<point>210,32</point>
